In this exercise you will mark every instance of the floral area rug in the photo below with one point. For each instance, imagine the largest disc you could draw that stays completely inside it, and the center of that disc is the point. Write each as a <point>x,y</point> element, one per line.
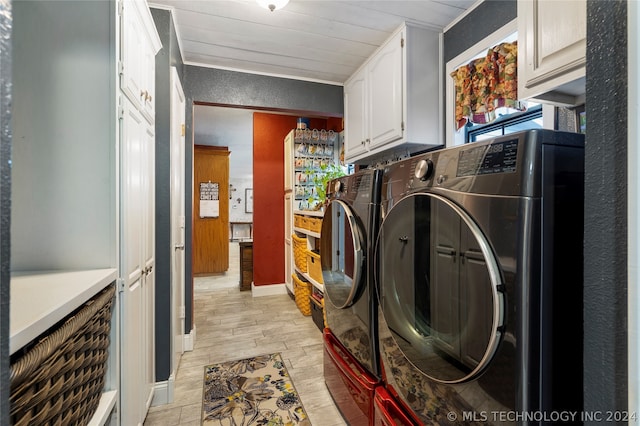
<point>252,391</point>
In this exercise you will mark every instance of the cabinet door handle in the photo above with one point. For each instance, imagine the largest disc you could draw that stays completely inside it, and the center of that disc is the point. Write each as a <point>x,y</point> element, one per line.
<point>179,247</point>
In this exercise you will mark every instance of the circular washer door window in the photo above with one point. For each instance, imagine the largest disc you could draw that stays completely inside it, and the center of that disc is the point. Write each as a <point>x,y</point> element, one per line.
<point>342,254</point>
<point>438,285</point>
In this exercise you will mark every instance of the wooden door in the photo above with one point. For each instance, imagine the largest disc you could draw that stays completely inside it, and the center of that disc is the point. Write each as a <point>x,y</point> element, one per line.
<point>210,216</point>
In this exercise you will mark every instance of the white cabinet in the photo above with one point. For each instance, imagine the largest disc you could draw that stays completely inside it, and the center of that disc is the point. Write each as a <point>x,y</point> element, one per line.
<point>356,116</point>
<point>384,74</point>
<point>137,209</point>
<point>552,37</point>
<point>137,263</point>
<point>306,156</point>
<point>137,66</point>
<point>393,103</point>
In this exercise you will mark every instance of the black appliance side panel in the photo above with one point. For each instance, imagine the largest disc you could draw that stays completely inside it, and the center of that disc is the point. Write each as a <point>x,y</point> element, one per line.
<point>561,317</point>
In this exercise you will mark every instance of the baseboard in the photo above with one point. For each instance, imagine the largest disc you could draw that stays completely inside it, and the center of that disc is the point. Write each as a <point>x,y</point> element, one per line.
<point>268,290</point>
<point>189,340</point>
<point>163,392</point>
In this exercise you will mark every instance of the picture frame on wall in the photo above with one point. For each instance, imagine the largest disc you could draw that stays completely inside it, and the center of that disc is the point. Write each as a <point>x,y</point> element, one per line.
<point>248,200</point>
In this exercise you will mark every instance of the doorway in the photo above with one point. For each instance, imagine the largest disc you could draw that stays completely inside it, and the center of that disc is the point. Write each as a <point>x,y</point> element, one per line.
<point>210,210</point>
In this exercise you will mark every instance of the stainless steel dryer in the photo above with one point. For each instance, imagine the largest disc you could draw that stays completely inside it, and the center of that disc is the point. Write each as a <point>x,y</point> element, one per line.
<point>349,229</point>
<point>480,281</point>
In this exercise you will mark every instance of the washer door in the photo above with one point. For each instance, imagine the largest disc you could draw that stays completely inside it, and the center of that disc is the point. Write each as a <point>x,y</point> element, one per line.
<point>439,287</point>
<point>342,254</point>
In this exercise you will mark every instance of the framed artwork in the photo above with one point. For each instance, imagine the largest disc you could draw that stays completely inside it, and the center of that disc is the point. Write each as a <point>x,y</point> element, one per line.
<point>248,200</point>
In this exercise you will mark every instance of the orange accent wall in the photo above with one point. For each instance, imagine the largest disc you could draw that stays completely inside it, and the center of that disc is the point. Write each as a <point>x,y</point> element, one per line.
<point>269,131</point>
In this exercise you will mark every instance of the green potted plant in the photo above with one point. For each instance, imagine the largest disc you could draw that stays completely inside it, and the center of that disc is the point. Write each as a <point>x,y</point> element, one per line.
<point>319,179</point>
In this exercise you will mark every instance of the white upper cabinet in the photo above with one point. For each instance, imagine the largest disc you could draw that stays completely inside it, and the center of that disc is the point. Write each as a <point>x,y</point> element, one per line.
<point>139,46</point>
<point>393,102</point>
<point>356,112</point>
<point>385,93</point>
<point>551,59</point>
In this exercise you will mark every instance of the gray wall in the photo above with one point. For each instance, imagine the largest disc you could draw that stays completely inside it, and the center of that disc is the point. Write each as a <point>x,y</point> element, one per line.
<point>5,201</point>
<point>167,57</point>
<point>464,34</point>
<point>605,292</point>
<point>215,86</point>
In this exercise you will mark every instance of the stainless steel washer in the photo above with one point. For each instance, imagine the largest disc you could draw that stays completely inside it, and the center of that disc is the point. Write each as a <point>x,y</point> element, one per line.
<point>349,228</point>
<point>480,280</point>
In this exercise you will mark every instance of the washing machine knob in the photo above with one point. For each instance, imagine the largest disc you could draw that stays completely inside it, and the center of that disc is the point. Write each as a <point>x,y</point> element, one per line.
<point>337,187</point>
<point>424,169</point>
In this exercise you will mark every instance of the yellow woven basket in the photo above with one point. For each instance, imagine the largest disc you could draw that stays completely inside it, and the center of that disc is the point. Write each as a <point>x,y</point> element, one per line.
<point>301,293</point>
<point>304,222</point>
<point>314,268</point>
<point>299,252</point>
<point>324,313</point>
<point>315,224</point>
<point>297,220</point>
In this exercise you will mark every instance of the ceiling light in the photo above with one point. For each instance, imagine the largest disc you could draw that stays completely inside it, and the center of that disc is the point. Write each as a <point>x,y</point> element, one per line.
<point>272,4</point>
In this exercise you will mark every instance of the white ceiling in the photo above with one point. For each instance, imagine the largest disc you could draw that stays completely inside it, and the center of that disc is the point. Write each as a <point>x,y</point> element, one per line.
<point>317,40</point>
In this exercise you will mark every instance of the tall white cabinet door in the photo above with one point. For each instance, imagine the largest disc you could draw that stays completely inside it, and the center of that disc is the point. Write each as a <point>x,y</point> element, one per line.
<point>385,93</point>
<point>138,259</point>
<point>355,115</point>
<point>132,143</point>
<point>139,44</point>
<point>132,262</point>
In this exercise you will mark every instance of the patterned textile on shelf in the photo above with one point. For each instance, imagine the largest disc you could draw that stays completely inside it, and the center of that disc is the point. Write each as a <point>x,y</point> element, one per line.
<point>485,84</point>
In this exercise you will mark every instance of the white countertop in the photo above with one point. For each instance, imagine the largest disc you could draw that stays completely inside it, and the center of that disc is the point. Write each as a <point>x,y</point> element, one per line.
<point>41,299</point>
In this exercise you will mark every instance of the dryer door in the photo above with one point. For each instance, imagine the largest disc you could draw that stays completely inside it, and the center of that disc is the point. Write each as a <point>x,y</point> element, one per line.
<point>342,254</point>
<point>439,288</point>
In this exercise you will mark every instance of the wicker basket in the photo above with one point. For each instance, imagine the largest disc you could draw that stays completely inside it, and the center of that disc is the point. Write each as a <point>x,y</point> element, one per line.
<point>324,314</point>
<point>300,252</point>
<point>304,222</point>
<point>59,380</point>
<point>315,224</point>
<point>297,220</point>
<point>314,268</point>
<point>302,292</point>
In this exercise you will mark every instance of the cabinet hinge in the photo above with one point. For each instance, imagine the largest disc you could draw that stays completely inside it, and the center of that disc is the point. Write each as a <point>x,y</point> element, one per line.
<point>120,284</point>
<point>402,42</point>
<point>120,111</point>
<point>120,8</point>
<point>402,126</point>
<point>120,67</point>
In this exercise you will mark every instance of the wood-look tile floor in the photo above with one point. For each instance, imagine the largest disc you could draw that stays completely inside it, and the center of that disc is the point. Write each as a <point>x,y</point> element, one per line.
<point>231,324</point>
